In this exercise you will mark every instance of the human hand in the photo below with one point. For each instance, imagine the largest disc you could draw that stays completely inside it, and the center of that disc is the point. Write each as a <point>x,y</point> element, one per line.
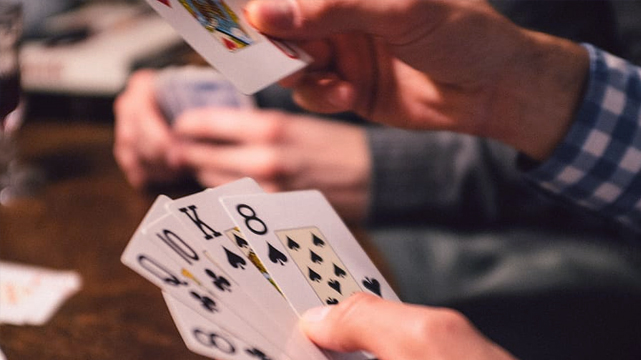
<point>396,331</point>
<point>279,150</point>
<point>431,64</point>
<point>142,135</point>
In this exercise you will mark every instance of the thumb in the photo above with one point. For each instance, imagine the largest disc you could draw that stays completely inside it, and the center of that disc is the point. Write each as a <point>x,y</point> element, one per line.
<point>397,331</point>
<point>311,19</point>
<point>363,322</point>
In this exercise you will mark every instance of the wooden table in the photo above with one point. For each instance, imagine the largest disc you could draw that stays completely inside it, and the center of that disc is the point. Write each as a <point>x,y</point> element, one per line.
<point>81,220</point>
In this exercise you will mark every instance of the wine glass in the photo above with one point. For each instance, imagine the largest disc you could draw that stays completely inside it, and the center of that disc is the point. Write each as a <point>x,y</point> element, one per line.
<point>13,177</point>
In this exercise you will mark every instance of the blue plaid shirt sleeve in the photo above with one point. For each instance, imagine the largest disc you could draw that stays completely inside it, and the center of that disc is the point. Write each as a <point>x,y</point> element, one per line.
<point>598,164</point>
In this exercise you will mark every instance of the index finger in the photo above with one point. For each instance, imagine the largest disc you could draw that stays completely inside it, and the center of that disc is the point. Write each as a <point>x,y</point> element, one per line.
<point>229,125</point>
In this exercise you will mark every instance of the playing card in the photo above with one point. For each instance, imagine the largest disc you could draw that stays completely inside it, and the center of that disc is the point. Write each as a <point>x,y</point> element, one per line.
<point>206,338</point>
<point>277,323</point>
<point>203,287</point>
<point>142,256</point>
<point>306,248</point>
<point>218,31</point>
<point>31,294</point>
<point>178,89</point>
<point>203,213</point>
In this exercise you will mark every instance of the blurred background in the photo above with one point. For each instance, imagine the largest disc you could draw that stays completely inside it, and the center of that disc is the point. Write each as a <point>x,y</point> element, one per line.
<point>77,54</point>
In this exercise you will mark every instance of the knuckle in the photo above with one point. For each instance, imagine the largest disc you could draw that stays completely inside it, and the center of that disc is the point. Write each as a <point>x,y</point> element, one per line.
<point>347,319</point>
<point>441,324</point>
<point>268,166</point>
<point>345,310</point>
<point>273,127</point>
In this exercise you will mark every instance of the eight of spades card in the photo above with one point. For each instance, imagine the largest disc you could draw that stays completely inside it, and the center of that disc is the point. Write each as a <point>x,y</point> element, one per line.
<point>306,247</point>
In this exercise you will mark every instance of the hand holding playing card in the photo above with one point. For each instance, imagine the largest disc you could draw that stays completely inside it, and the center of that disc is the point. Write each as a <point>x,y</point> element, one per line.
<point>143,137</point>
<point>437,65</point>
<point>218,31</point>
<point>395,331</point>
<point>235,295</point>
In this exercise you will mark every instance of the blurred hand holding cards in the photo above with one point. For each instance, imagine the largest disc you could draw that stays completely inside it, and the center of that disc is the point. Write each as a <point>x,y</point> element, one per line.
<point>217,30</point>
<point>237,267</point>
<point>178,89</point>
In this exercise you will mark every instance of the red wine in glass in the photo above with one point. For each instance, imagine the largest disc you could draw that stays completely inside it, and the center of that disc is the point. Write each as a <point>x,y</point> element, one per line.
<point>9,93</point>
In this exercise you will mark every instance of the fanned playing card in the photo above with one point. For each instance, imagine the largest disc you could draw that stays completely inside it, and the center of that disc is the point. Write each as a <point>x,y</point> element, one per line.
<point>306,248</point>
<point>238,266</point>
<point>217,30</point>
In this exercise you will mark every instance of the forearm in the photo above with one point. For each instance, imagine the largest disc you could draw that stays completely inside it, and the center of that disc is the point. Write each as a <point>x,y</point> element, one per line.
<point>537,98</point>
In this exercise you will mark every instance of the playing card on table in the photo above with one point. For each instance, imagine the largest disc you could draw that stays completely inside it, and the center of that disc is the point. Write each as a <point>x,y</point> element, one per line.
<point>218,31</point>
<point>31,294</point>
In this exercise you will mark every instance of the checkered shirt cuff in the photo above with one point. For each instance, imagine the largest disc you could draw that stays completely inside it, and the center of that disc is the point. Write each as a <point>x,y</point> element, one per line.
<point>598,164</point>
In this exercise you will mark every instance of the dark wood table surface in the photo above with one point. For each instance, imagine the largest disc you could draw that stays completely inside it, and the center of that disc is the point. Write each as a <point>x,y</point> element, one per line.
<point>81,220</point>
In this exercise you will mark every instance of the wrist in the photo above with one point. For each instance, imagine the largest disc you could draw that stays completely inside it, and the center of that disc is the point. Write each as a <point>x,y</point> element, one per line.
<point>540,94</point>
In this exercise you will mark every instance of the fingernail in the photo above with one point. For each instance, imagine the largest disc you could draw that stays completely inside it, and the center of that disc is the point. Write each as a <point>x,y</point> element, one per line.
<point>316,314</point>
<point>276,13</point>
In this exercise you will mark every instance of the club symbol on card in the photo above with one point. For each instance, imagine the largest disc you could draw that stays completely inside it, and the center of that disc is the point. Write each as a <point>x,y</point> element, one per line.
<point>331,301</point>
<point>257,353</point>
<point>292,245</point>
<point>220,282</point>
<point>314,276</point>
<point>276,256</point>
<point>372,285</point>
<point>317,241</point>
<point>205,301</point>
<point>242,243</point>
<point>336,285</point>
<point>234,260</point>
<point>339,271</point>
<point>315,258</point>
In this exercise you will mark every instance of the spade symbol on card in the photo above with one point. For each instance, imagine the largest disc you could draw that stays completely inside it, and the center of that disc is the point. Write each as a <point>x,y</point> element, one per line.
<point>257,353</point>
<point>314,276</point>
<point>235,260</point>
<point>372,285</point>
<point>339,272</point>
<point>292,245</point>
<point>315,257</point>
<point>336,285</point>
<point>242,243</point>
<point>276,256</point>
<point>317,241</point>
<point>331,301</point>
